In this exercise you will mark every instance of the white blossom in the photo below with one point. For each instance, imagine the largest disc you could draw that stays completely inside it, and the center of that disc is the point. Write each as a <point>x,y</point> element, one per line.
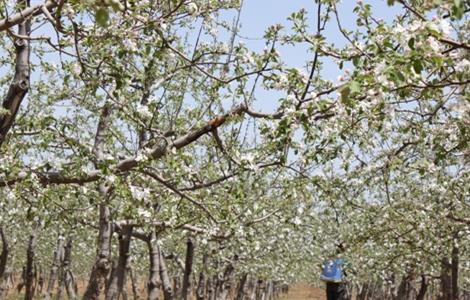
<point>192,8</point>
<point>143,110</point>
<point>462,65</point>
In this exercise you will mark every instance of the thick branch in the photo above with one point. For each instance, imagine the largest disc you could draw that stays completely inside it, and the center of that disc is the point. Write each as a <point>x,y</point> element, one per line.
<point>20,84</point>
<point>130,163</point>
<point>25,14</point>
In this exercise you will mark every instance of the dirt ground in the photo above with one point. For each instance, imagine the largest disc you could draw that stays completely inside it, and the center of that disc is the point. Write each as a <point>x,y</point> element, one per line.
<point>302,291</point>
<point>299,291</point>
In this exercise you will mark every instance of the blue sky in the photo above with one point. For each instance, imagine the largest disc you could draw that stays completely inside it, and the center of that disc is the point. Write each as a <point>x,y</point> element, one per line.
<point>257,15</point>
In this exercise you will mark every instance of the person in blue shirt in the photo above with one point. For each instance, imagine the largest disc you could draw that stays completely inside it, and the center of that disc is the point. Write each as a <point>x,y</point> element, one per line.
<point>333,275</point>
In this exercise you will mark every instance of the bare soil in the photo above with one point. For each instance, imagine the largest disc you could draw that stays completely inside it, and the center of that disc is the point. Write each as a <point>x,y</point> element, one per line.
<point>298,291</point>
<point>303,291</point>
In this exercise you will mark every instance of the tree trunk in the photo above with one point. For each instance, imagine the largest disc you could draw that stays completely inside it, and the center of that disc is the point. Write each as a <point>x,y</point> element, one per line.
<point>41,280</point>
<point>102,264</point>
<point>270,290</point>
<point>118,275</point>
<point>455,273</point>
<point>71,285</point>
<point>58,257</point>
<point>241,293</point>
<point>66,281</point>
<point>101,267</point>
<point>188,267</point>
<point>404,289</point>
<point>135,293</point>
<point>20,84</point>
<point>260,289</point>
<point>5,251</point>
<point>253,288</point>
<point>446,280</point>
<point>166,282</point>
<point>29,270</point>
<point>3,264</point>
<point>226,282</point>
<point>423,288</point>
<point>177,286</point>
<point>201,286</point>
<point>211,285</point>
<point>362,292</point>
<point>154,282</point>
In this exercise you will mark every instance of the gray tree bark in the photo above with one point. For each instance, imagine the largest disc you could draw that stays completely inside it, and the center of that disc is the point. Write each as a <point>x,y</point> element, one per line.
<point>134,282</point>
<point>253,288</point>
<point>154,282</point>
<point>201,286</point>
<point>118,276</point>
<point>211,286</point>
<point>101,267</point>
<point>241,293</point>
<point>66,279</point>
<point>225,284</point>
<point>56,262</point>
<point>20,84</point>
<point>102,264</point>
<point>3,264</point>
<point>168,293</point>
<point>29,270</point>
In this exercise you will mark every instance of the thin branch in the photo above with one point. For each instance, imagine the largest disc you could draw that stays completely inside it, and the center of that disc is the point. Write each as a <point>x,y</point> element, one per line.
<point>175,190</point>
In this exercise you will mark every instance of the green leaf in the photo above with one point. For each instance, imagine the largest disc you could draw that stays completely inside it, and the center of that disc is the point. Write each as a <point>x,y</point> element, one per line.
<point>66,79</point>
<point>390,2</point>
<point>400,76</point>
<point>356,61</point>
<point>458,9</point>
<point>102,17</point>
<point>345,99</point>
<point>417,66</point>
<point>355,87</point>
<point>411,43</point>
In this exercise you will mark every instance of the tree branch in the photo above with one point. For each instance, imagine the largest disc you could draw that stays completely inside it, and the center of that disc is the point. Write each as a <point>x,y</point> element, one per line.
<point>125,165</point>
<point>23,15</point>
<point>20,84</point>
